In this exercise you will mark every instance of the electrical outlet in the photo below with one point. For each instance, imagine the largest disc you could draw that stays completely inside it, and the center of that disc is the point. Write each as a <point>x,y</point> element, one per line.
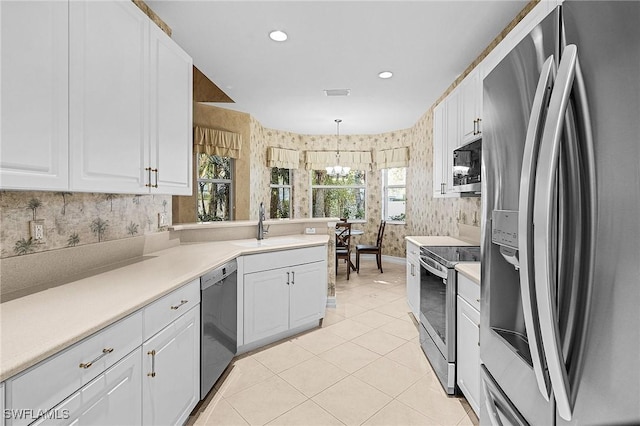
<point>310,230</point>
<point>163,220</point>
<point>37,230</point>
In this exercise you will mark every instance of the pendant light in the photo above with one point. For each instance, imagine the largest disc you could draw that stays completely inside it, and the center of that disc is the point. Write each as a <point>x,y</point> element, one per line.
<point>338,170</point>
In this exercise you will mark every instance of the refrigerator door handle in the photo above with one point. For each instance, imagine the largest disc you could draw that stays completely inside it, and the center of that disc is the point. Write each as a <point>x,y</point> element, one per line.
<point>525,220</point>
<point>543,218</point>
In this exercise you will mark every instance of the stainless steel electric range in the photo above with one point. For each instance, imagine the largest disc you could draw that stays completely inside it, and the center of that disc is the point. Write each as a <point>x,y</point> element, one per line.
<point>438,289</point>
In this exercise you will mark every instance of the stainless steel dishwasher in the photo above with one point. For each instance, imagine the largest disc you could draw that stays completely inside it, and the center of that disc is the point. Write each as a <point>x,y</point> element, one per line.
<point>218,323</point>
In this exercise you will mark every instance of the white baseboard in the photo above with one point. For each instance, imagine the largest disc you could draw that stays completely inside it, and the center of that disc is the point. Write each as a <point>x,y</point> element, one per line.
<point>390,259</point>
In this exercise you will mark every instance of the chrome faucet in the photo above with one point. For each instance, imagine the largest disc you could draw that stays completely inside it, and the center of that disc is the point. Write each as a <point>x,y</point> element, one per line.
<point>261,227</point>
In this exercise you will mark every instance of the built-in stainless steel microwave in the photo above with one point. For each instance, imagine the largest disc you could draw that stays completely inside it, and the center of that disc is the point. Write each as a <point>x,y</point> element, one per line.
<point>466,167</point>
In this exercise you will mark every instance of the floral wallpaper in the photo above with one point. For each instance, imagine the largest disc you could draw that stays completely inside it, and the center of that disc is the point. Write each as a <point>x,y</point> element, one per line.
<point>425,215</point>
<point>74,219</point>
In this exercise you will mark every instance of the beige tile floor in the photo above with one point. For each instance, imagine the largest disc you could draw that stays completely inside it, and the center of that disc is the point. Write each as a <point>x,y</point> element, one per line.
<point>364,366</point>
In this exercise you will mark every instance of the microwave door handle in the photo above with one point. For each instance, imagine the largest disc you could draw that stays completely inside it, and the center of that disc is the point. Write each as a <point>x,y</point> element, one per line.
<point>525,220</point>
<point>543,217</point>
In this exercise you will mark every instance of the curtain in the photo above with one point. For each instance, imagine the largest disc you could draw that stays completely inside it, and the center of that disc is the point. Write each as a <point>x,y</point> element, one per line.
<point>283,158</point>
<point>216,142</point>
<point>396,157</point>
<point>357,160</point>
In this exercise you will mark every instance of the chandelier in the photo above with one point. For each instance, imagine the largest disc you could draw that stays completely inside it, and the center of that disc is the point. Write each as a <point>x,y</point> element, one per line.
<point>338,170</point>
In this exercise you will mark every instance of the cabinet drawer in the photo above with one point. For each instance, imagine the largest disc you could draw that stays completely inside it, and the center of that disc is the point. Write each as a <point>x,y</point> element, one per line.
<point>114,397</point>
<point>469,290</point>
<point>46,384</point>
<point>283,258</point>
<point>413,251</point>
<point>162,312</point>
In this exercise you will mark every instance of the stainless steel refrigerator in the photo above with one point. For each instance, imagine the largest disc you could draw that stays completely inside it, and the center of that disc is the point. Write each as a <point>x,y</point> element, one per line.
<point>560,322</point>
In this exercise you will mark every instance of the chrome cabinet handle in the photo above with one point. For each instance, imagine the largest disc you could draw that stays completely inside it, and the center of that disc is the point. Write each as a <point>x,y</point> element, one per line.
<point>476,122</point>
<point>105,352</point>
<point>182,302</point>
<point>525,224</point>
<point>288,277</point>
<point>442,188</point>
<point>148,170</point>
<point>156,184</point>
<point>293,277</point>
<point>153,363</point>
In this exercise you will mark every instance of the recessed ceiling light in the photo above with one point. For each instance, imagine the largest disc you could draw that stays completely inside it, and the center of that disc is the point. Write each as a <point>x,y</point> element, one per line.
<point>278,35</point>
<point>385,74</point>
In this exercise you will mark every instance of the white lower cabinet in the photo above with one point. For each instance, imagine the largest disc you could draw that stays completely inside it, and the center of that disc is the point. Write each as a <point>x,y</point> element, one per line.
<point>413,279</point>
<point>171,371</point>
<point>2,404</point>
<point>289,296</point>
<point>46,384</point>
<point>468,341</point>
<point>112,398</point>
<point>114,377</point>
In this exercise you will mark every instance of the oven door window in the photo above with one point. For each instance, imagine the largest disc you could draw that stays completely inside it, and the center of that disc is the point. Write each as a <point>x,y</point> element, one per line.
<point>433,302</point>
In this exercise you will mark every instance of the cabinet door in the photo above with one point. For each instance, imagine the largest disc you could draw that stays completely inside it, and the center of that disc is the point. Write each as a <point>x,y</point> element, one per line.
<point>453,138</point>
<point>439,149</point>
<point>109,100</point>
<point>2,403</point>
<point>171,109</point>
<point>413,287</point>
<point>171,371</point>
<point>113,398</point>
<point>35,106</point>
<point>266,303</point>
<point>471,92</point>
<point>468,356</point>
<point>308,284</point>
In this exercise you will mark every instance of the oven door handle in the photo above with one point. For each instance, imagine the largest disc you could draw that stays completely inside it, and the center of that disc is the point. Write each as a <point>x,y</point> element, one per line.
<point>434,271</point>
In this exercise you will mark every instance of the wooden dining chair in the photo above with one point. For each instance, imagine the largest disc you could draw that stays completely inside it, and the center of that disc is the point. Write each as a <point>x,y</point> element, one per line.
<point>343,245</point>
<point>369,249</point>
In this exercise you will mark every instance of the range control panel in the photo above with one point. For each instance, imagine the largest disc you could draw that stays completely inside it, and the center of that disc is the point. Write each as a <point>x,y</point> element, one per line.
<point>504,228</point>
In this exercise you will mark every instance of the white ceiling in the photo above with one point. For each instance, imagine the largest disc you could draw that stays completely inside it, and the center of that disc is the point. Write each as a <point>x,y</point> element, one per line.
<point>334,45</point>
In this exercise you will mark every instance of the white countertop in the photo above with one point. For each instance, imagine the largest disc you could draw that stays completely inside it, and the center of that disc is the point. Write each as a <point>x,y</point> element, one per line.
<point>471,270</point>
<point>436,241</point>
<point>37,326</point>
<point>240,223</point>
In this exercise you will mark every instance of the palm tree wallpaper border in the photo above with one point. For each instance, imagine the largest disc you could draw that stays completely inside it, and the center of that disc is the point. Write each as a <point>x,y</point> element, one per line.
<point>75,219</point>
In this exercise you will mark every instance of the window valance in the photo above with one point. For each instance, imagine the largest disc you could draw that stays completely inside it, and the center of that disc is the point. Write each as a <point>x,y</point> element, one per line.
<point>283,158</point>
<point>216,142</point>
<point>357,160</point>
<point>396,157</point>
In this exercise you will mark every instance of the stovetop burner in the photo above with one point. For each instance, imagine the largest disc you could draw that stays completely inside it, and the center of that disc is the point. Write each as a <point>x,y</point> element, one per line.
<point>449,256</point>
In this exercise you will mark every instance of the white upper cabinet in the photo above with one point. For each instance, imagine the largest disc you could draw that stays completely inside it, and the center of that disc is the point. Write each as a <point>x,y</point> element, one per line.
<point>34,119</point>
<point>95,98</point>
<point>109,102</point>
<point>471,107</point>
<point>171,144</point>
<point>446,137</point>
<point>131,103</point>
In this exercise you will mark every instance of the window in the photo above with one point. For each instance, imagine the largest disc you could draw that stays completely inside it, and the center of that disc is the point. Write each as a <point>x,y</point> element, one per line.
<point>338,196</point>
<point>215,178</point>
<point>394,194</point>
<point>280,193</point>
